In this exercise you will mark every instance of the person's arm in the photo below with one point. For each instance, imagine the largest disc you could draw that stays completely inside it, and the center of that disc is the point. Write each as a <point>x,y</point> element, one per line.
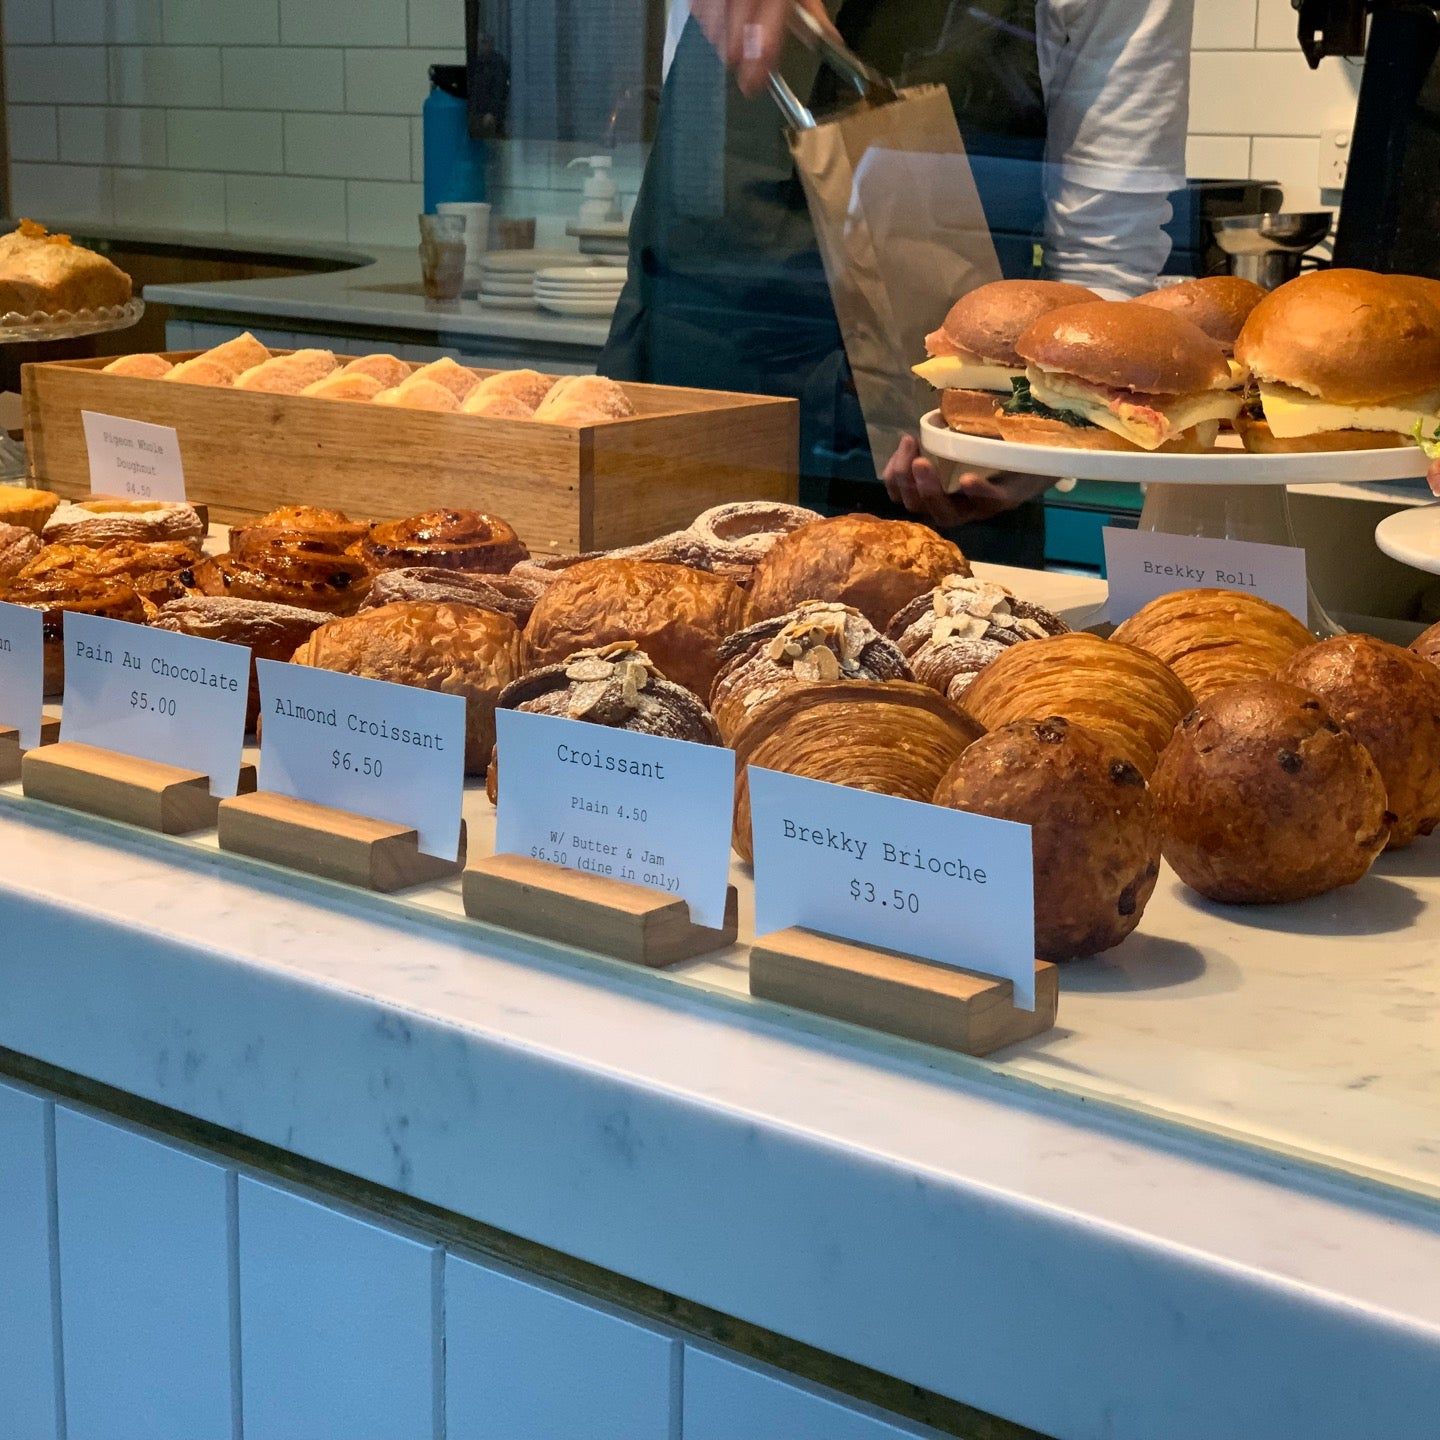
<point>1116,75</point>
<point>748,35</point>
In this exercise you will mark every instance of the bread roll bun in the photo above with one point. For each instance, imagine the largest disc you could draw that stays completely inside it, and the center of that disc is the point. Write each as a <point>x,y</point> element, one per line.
<point>201,371</point>
<point>1389,700</point>
<point>874,565</point>
<point>972,412</point>
<point>677,616</point>
<point>389,370</point>
<point>344,385</point>
<point>1040,430</point>
<point>455,649</point>
<point>1264,798</point>
<point>526,388</point>
<point>1215,638</point>
<point>1094,830</point>
<point>1349,336</point>
<point>1218,304</point>
<point>497,407</point>
<point>287,374</point>
<point>1117,690</point>
<point>892,737</point>
<point>237,355</point>
<point>139,367</point>
<point>1257,437</point>
<point>989,320</point>
<point>419,394</point>
<point>577,400</point>
<point>449,374</point>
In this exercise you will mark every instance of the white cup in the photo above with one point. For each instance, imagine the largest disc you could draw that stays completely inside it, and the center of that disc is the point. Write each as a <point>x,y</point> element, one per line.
<point>477,234</point>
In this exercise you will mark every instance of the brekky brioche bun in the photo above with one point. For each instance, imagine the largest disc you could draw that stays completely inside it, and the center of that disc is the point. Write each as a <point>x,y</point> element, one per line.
<point>973,412</point>
<point>1038,430</point>
<point>1351,337</point>
<point>1128,346</point>
<point>988,321</point>
<point>1218,304</point>
<point>1257,437</point>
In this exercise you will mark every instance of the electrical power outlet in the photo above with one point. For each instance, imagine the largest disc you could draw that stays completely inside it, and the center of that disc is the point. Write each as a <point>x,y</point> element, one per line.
<point>1334,159</point>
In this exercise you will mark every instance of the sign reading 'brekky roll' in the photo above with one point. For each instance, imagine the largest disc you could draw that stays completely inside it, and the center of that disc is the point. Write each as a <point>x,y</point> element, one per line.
<point>385,751</point>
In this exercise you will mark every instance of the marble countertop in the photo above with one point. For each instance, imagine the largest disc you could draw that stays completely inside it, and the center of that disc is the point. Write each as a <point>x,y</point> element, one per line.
<point>1083,1269</point>
<point>382,291</point>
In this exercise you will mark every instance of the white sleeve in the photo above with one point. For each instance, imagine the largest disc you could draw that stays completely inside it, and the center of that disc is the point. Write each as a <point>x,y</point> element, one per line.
<point>1116,75</point>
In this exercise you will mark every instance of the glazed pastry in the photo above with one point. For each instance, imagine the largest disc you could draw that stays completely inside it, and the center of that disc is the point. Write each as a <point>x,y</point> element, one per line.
<point>333,527</point>
<point>505,594</point>
<point>287,568</point>
<point>342,385</point>
<point>455,649</point>
<point>1215,638</point>
<point>952,633</point>
<point>450,375</point>
<point>577,400</point>
<point>1389,700</point>
<point>18,546</point>
<point>84,595</point>
<point>139,367</point>
<point>444,540</point>
<point>1264,798</point>
<point>287,374</point>
<point>418,394</point>
<point>1118,690</point>
<point>815,643</point>
<point>389,370</point>
<point>735,538</point>
<point>30,508</point>
<point>1427,644</point>
<point>1094,829</point>
<point>101,519</point>
<point>678,616</point>
<point>271,632</point>
<point>877,566</point>
<point>156,570</point>
<point>894,737</point>
<point>523,388</point>
<point>616,685</point>
<point>201,371</point>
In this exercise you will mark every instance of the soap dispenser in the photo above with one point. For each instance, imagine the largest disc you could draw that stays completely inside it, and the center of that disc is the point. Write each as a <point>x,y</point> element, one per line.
<point>600,201</point>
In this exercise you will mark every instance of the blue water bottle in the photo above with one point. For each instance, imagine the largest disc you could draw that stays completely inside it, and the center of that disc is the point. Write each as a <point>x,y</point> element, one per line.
<point>454,163</point>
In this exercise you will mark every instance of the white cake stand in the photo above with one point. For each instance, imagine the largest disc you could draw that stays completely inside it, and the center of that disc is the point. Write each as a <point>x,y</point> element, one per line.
<point>1223,494</point>
<point>1412,537</point>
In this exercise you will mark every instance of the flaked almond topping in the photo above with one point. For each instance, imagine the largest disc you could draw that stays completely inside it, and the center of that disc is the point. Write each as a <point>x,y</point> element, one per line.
<point>588,668</point>
<point>1032,629</point>
<point>959,627</point>
<point>818,663</point>
<point>586,697</point>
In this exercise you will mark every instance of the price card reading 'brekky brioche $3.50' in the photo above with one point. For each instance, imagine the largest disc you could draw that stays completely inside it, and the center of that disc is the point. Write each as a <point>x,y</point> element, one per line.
<point>156,695</point>
<point>22,671</point>
<point>640,808</point>
<point>924,880</point>
<point>373,748</point>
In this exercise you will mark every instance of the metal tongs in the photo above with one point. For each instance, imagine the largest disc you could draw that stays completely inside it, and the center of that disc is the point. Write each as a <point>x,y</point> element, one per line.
<point>873,87</point>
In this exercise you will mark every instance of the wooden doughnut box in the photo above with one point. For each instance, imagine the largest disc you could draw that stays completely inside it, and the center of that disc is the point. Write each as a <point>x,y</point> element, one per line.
<point>589,488</point>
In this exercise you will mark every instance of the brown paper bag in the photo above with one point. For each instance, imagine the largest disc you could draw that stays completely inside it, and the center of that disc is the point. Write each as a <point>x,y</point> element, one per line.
<point>902,235</point>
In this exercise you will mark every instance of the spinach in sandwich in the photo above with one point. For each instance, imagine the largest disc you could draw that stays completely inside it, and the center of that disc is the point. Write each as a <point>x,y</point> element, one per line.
<point>1022,402</point>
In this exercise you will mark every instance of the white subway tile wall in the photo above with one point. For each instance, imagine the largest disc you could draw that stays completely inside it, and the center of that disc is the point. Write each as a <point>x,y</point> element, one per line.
<point>300,118</point>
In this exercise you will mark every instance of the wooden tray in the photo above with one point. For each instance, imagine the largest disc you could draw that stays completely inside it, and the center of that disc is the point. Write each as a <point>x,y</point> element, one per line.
<point>563,489</point>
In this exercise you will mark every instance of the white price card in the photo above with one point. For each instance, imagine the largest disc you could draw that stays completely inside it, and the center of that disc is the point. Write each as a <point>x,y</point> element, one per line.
<point>385,751</point>
<point>940,884</point>
<point>22,671</point>
<point>639,808</point>
<point>133,457</point>
<point>161,696</point>
<point>1142,565</point>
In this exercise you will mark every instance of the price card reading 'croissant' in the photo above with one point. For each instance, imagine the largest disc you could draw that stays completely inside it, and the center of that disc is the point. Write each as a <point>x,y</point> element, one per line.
<point>132,458</point>
<point>936,883</point>
<point>22,672</point>
<point>1142,565</point>
<point>640,808</point>
<point>158,695</point>
<point>388,752</point>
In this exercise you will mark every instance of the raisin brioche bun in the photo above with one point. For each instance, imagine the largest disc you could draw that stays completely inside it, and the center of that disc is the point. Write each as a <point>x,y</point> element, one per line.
<point>1218,304</point>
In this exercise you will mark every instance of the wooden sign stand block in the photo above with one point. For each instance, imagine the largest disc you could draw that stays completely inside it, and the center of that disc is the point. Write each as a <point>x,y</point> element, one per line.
<point>10,751</point>
<point>882,990</point>
<point>334,844</point>
<point>591,912</point>
<point>122,787</point>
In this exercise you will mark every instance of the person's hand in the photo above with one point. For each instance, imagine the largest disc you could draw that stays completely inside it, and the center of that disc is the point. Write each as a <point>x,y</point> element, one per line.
<point>748,35</point>
<point>917,482</point>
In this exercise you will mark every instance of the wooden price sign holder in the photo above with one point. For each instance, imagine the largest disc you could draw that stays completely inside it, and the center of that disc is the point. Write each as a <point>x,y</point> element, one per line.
<point>883,990</point>
<point>122,787</point>
<point>334,844</point>
<point>591,912</point>
<point>11,753</point>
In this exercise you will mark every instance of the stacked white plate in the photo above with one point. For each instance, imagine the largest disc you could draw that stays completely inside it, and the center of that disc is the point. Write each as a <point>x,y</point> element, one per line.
<point>579,289</point>
<point>507,277</point>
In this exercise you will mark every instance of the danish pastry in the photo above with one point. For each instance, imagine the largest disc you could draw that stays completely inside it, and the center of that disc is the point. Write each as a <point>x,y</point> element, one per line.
<point>18,546</point>
<point>510,595</point>
<point>84,595</point>
<point>333,528</point>
<point>156,571</point>
<point>444,540</point>
<point>287,568</point>
<point>101,519</point>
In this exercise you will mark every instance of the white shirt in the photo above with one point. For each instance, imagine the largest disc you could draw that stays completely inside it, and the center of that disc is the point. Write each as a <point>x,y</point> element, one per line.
<point>1116,78</point>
